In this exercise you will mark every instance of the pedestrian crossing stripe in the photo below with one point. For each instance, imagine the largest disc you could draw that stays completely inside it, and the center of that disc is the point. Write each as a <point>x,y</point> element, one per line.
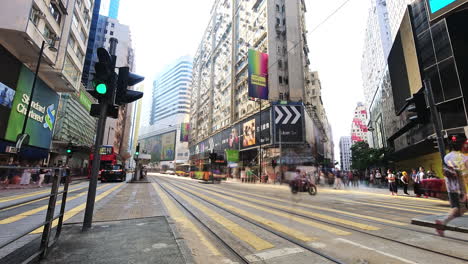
<point>286,230</point>
<point>243,234</point>
<point>20,196</point>
<point>391,207</point>
<point>413,206</point>
<point>181,219</point>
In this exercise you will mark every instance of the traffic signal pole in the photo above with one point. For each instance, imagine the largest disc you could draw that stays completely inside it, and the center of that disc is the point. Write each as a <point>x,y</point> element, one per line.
<point>88,217</point>
<point>435,119</point>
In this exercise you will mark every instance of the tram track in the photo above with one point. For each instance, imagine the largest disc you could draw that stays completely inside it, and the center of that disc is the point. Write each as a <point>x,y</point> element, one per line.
<point>232,250</point>
<point>350,228</point>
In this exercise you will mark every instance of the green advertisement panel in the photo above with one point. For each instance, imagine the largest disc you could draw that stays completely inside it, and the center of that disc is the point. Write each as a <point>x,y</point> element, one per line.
<point>232,155</point>
<point>41,116</point>
<point>161,147</point>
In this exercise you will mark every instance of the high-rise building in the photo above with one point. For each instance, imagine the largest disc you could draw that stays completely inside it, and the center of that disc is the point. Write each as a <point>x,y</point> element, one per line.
<point>24,26</point>
<point>85,78</point>
<point>171,92</point>
<point>358,125</point>
<point>345,153</point>
<point>263,130</point>
<point>110,8</point>
<point>169,110</point>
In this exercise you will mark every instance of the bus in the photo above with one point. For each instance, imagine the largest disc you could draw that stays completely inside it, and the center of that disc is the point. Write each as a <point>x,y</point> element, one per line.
<point>108,157</point>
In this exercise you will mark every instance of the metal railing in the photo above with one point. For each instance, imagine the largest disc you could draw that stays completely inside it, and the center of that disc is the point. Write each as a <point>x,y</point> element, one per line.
<point>45,242</point>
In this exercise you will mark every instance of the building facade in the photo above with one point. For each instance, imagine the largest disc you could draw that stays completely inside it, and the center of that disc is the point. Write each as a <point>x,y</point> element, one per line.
<point>110,8</point>
<point>359,124</point>
<point>24,25</point>
<point>169,111</point>
<point>220,104</point>
<point>345,153</point>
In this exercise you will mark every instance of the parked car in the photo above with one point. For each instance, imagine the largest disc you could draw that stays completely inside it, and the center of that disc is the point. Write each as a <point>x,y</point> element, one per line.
<point>170,172</point>
<point>113,173</point>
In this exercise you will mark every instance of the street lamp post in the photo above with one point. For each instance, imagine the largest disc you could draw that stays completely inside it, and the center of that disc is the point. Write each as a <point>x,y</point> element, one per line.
<point>23,136</point>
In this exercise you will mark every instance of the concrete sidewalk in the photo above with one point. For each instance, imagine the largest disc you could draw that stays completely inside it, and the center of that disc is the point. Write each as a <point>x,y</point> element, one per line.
<point>129,226</point>
<point>459,224</point>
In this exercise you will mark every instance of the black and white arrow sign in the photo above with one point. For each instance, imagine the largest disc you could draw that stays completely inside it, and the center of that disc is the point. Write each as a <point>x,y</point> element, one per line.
<point>287,115</point>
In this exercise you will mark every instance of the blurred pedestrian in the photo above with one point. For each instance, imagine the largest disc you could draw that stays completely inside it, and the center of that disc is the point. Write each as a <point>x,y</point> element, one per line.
<point>378,178</point>
<point>405,181</point>
<point>26,176</point>
<point>455,164</point>
<point>338,179</point>
<point>421,176</point>
<point>392,186</point>
<point>42,173</point>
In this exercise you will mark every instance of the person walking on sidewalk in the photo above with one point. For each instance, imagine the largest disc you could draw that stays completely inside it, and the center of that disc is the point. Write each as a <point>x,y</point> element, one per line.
<point>26,176</point>
<point>455,164</point>
<point>405,181</point>
<point>392,186</point>
<point>421,175</point>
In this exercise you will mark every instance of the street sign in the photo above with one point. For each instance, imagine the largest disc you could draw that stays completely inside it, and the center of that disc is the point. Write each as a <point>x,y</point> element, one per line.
<point>287,115</point>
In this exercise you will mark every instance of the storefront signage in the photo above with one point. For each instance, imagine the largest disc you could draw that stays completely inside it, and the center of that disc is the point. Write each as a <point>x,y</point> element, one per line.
<point>439,8</point>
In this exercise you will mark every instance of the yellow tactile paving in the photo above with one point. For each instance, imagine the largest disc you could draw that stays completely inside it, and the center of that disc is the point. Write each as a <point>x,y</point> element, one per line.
<point>323,208</point>
<point>182,220</point>
<point>303,212</point>
<point>36,210</point>
<point>238,231</point>
<point>389,206</point>
<point>292,232</point>
<point>70,213</point>
<point>413,206</point>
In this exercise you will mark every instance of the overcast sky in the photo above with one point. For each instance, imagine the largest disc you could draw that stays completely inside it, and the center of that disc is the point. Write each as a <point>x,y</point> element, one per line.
<point>162,31</point>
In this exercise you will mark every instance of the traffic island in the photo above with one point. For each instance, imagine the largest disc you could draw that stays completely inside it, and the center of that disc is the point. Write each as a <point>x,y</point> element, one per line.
<point>144,240</point>
<point>459,224</point>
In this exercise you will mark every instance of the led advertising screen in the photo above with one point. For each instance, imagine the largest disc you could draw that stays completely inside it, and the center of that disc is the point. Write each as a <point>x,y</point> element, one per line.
<point>41,116</point>
<point>248,129</point>
<point>184,132</point>
<point>160,147</point>
<point>439,8</point>
<point>258,74</point>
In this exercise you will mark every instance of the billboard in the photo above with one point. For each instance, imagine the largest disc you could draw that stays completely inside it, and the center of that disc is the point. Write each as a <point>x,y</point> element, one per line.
<point>248,132</point>
<point>160,147</point>
<point>41,116</point>
<point>184,132</point>
<point>289,123</point>
<point>258,74</point>
<point>439,8</point>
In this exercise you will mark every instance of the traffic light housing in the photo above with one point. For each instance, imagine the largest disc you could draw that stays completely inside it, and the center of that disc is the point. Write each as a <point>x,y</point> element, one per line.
<point>137,151</point>
<point>125,79</point>
<point>213,156</point>
<point>104,81</point>
<point>418,106</point>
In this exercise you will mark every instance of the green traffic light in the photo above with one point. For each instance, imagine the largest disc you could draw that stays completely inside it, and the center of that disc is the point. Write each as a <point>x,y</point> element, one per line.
<point>68,150</point>
<point>101,88</point>
<point>137,153</point>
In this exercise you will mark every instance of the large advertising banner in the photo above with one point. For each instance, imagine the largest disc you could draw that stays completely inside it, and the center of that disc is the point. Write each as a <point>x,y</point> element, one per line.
<point>41,116</point>
<point>438,8</point>
<point>258,74</point>
<point>184,132</point>
<point>160,147</point>
<point>248,132</point>
<point>7,95</point>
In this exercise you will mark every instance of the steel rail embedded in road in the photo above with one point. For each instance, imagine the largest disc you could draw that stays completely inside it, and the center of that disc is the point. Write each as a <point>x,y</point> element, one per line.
<point>353,229</point>
<point>226,245</point>
<point>283,236</point>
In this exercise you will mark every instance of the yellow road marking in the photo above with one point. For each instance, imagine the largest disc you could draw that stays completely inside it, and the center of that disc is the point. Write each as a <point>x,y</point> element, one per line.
<point>326,209</point>
<point>240,232</point>
<point>297,234</point>
<point>411,206</point>
<point>69,214</point>
<point>16,197</point>
<point>382,195</point>
<point>181,219</point>
<point>25,214</point>
<point>288,208</point>
<point>388,206</point>
<point>16,206</point>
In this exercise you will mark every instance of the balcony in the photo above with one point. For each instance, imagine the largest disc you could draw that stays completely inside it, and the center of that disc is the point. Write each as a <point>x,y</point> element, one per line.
<point>23,38</point>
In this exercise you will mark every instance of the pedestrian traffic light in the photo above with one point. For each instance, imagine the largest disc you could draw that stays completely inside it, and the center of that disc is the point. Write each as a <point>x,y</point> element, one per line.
<point>124,80</point>
<point>104,81</point>
<point>417,105</point>
<point>137,151</point>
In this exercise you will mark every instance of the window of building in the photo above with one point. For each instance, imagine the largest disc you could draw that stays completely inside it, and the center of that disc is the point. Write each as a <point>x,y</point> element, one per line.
<point>280,64</point>
<point>278,21</point>
<point>112,25</point>
<point>82,35</point>
<point>35,15</point>
<point>105,31</point>
<point>79,55</point>
<point>71,70</point>
<point>71,42</point>
<point>112,33</point>
<point>284,21</point>
<point>277,7</point>
<point>54,10</point>
<point>75,20</point>
<point>49,34</point>
<point>280,79</point>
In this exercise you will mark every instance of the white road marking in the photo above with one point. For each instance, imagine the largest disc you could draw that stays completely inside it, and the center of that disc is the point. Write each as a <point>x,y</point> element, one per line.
<point>375,250</point>
<point>273,254</point>
<point>228,261</point>
<point>159,246</point>
<point>317,245</point>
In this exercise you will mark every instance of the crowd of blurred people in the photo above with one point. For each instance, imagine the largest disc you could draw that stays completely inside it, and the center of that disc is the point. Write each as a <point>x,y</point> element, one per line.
<point>26,175</point>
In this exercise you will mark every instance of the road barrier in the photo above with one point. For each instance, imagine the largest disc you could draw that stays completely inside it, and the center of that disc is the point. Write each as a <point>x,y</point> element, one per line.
<point>46,243</point>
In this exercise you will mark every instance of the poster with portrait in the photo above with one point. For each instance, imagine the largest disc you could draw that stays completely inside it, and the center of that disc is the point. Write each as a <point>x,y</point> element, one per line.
<point>248,132</point>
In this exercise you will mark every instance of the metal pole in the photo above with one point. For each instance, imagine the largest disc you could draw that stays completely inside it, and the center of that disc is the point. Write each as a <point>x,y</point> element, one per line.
<point>260,141</point>
<point>88,217</point>
<point>50,212</point>
<point>435,119</point>
<point>108,133</point>
<point>280,154</point>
